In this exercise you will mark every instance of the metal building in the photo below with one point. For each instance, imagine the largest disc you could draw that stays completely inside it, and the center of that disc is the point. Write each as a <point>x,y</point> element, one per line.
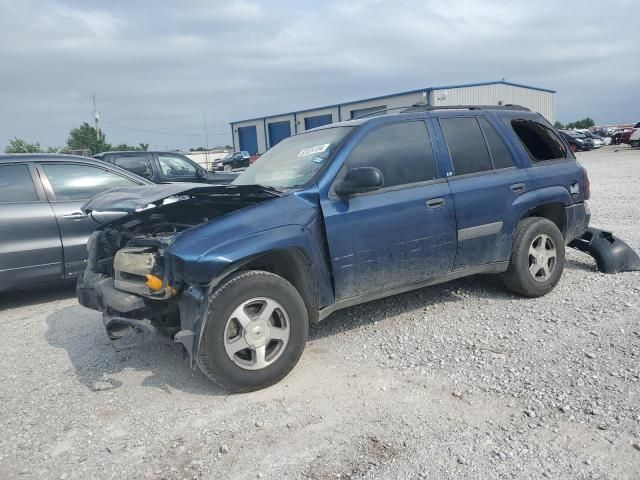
<point>256,135</point>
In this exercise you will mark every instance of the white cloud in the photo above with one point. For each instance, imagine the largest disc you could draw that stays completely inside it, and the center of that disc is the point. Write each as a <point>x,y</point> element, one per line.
<point>159,67</point>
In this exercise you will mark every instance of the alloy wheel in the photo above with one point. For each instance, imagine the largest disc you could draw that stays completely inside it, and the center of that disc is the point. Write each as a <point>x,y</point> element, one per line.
<point>542,258</point>
<point>257,333</point>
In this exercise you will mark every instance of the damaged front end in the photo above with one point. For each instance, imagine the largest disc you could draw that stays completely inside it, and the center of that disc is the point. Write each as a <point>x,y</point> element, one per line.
<point>132,276</point>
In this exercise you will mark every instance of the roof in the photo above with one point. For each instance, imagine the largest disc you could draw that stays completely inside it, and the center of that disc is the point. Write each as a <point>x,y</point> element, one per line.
<point>60,157</point>
<point>408,92</point>
<point>157,152</point>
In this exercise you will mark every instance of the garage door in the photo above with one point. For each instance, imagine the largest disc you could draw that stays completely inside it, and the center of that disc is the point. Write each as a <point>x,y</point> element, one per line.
<point>248,139</point>
<point>363,112</point>
<point>317,121</point>
<point>278,131</point>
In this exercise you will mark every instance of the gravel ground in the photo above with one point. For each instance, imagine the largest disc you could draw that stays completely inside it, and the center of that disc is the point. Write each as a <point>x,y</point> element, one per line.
<point>462,380</point>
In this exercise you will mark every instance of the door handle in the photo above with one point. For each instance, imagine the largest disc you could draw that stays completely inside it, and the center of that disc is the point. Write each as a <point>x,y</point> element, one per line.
<point>518,187</point>
<point>436,203</point>
<point>74,216</point>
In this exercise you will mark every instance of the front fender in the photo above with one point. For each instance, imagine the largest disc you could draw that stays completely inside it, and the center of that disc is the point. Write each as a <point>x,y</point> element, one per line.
<point>217,262</point>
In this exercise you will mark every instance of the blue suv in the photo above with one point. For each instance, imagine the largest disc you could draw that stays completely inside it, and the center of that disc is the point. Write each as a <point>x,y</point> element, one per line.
<point>333,217</point>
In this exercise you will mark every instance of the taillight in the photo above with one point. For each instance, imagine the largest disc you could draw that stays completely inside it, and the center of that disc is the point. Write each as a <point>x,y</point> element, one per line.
<point>587,184</point>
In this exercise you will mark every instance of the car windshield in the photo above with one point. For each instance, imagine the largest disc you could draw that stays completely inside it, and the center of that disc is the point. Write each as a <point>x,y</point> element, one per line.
<point>295,160</point>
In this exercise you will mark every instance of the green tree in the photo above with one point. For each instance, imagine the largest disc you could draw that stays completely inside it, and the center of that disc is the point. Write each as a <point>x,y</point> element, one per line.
<point>584,123</point>
<point>123,147</point>
<point>18,145</point>
<point>84,137</point>
<point>558,125</point>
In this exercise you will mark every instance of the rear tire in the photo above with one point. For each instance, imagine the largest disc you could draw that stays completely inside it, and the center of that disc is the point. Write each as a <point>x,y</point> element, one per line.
<point>537,258</point>
<point>256,331</point>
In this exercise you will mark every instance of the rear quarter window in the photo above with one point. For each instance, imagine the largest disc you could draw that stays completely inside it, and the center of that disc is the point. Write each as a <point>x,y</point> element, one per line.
<point>541,141</point>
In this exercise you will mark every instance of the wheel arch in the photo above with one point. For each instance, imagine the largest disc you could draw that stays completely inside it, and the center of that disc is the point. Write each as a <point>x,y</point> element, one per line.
<point>289,263</point>
<point>554,211</point>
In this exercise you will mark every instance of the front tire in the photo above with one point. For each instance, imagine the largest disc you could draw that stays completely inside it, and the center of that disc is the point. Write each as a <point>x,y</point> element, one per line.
<point>228,168</point>
<point>256,331</point>
<point>537,258</point>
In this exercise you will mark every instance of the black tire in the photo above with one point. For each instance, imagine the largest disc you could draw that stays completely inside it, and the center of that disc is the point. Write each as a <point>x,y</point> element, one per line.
<point>518,278</point>
<point>240,287</point>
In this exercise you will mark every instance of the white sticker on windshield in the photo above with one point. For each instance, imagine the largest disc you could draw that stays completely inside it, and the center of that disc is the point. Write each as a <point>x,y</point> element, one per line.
<point>313,150</point>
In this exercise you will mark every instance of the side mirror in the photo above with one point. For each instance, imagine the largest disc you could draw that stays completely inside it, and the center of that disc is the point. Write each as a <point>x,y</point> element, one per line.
<point>360,180</point>
<point>201,172</point>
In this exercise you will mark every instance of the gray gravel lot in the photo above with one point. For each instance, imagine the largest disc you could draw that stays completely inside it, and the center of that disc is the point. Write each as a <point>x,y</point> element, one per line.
<point>462,380</point>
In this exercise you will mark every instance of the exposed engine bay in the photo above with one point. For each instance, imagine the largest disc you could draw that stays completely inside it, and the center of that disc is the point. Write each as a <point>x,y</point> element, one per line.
<point>130,277</point>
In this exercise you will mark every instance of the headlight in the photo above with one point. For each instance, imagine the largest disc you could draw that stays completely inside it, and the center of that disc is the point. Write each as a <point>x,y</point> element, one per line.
<point>579,141</point>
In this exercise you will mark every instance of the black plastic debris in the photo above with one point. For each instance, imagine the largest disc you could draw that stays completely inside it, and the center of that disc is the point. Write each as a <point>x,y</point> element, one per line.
<point>611,254</point>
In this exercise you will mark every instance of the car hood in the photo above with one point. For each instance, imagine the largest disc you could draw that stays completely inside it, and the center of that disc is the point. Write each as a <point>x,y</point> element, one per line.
<point>135,199</point>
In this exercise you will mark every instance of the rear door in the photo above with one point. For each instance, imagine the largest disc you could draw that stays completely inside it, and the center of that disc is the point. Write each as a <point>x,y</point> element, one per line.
<point>486,185</point>
<point>30,246</point>
<point>68,187</point>
<point>401,234</point>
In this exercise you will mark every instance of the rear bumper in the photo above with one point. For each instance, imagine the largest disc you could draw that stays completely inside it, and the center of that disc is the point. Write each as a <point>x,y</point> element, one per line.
<point>576,220</point>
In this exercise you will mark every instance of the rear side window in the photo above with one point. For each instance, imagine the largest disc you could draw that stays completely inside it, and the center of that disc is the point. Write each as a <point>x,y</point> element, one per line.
<point>72,181</point>
<point>401,151</point>
<point>138,164</point>
<point>541,142</point>
<point>498,150</point>
<point>466,144</point>
<point>16,184</point>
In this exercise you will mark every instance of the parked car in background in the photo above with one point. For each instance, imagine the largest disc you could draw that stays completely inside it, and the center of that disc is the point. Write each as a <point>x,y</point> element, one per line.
<point>634,139</point>
<point>164,167</point>
<point>330,218</point>
<point>605,134</point>
<point>617,133</point>
<point>626,135</point>
<point>43,231</point>
<point>232,161</point>
<point>597,139</point>
<point>578,142</point>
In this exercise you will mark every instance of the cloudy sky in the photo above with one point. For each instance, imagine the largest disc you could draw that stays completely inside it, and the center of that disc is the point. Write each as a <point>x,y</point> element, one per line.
<point>158,65</point>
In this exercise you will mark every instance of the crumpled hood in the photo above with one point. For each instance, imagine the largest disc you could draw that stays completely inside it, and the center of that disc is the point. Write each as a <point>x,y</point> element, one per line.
<point>134,199</point>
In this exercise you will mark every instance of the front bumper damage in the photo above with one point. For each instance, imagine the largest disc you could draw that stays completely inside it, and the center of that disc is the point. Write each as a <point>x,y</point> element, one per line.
<point>132,313</point>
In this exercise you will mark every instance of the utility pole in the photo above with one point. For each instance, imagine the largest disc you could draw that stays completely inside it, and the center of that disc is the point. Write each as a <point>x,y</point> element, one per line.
<point>206,136</point>
<point>96,118</point>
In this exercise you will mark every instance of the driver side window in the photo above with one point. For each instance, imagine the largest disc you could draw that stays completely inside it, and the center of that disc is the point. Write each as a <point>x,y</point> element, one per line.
<point>401,151</point>
<point>176,167</point>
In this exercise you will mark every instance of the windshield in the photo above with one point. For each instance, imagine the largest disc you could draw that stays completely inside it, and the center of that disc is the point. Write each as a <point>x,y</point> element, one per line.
<point>295,160</point>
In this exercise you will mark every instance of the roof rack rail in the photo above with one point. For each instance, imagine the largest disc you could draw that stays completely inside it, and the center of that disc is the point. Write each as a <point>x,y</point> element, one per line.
<point>420,107</point>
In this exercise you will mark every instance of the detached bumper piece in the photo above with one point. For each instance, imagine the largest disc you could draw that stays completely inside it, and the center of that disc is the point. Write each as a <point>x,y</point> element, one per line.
<point>126,333</point>
<point>611,254</point>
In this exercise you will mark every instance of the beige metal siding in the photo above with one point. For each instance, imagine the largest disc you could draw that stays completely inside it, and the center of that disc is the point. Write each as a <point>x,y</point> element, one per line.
<point>393,103</point>
<point>496,94</point>
<point>262,141</point>
<point>312,113</point>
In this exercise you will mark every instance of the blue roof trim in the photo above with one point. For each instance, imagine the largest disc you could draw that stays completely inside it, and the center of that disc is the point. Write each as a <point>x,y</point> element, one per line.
<point>407,92</point>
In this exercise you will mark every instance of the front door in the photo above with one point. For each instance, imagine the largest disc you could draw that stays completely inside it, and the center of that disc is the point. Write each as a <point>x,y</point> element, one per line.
<point>401,234</point>
<point>69,186</point>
